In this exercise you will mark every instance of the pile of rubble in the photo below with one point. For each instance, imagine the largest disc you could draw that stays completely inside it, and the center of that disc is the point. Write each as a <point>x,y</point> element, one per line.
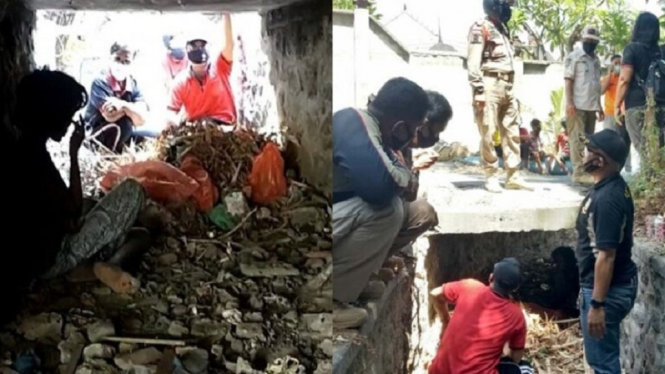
<point>253,299</point>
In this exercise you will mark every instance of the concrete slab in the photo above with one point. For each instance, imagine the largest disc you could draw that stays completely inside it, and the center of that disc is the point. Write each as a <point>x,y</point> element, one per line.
<point>457,193</point>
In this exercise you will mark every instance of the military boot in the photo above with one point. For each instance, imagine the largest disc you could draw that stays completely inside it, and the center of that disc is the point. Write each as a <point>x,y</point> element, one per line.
<point>492,184</point>
<point>348,317</point>
<point>515,182</point>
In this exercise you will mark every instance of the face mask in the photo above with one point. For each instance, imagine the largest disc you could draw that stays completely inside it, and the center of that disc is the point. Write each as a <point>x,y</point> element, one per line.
<point>506,13</point>
<point>119,71</point>
<point>589,47</point>
<point>617,69</point>
<point>590,166</point>
<point>178,53</point>
<point>426,140</point>
<point>198,56</point>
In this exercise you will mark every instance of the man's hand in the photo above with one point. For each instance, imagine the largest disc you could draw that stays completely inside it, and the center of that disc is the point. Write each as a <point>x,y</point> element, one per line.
<point>114,104</point>
<point>601,116</point>
<point>424,161</point>
<point>570,110</point>
<point>78,135</point>
<point>400,157</point>
<point>618,116</point>
<point>596,322</point>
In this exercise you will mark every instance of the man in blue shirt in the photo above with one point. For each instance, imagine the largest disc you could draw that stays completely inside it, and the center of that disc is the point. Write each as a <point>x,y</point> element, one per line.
<point>116,105</point>
<point>371,219</point>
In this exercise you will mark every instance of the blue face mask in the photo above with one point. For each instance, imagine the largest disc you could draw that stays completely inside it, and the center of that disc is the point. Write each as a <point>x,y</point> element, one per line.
<point>617,69</point>
<point>178,53</point>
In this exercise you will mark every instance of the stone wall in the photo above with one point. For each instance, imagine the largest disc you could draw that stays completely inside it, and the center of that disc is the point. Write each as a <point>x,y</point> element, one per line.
<point>382,345</point>
<point>643,331</point>
<point>17,21</point>
<point>298,40</point>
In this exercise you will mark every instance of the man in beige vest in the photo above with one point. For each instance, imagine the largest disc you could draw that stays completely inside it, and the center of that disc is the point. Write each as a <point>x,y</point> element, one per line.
<point>492,78</point>
<point>583,91</point>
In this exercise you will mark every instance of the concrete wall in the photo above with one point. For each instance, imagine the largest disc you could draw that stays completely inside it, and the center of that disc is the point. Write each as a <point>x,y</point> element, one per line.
<point>298,43</point>
<point>387,59</point>
<point>643,331</point>
<point>439,71</point>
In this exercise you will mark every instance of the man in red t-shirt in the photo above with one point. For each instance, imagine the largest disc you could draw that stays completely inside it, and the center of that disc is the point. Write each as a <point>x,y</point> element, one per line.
<point>204,90</point>
<point>174,60</point>
<point>562,149</point>
<point>485,319</point>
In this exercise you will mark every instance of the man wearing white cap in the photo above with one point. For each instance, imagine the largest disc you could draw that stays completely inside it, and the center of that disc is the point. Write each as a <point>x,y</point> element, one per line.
<point>583,91</point>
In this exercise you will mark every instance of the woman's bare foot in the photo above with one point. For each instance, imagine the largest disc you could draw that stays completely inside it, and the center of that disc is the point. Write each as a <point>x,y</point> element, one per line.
<point>82,274</point>
<point>115,278</point>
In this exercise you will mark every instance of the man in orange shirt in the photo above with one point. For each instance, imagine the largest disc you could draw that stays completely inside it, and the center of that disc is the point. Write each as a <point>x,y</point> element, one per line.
<point>204,90</point>
<point>609,88</point>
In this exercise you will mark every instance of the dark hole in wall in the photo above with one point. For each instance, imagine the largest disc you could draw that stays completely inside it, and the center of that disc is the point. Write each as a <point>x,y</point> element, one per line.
<point>551,279</point>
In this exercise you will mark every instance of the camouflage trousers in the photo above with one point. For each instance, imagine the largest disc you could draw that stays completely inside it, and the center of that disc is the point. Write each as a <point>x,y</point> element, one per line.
<point>501,112</point>
<point>103,228</point>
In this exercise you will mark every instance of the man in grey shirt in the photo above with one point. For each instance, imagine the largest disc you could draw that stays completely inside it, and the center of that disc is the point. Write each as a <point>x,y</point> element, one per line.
<point>583,108</point>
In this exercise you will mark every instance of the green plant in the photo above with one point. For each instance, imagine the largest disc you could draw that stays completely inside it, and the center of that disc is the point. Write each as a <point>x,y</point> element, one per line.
<point>350,5</point>
<point>559,23</point>
<point>648,186</point>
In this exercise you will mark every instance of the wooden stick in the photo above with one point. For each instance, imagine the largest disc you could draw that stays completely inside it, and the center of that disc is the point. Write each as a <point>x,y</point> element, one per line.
<point>118,339</point>
<point>242,222</point>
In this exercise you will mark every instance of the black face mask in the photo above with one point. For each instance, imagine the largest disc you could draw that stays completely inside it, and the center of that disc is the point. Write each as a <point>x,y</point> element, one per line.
<point>506,13</point>
<point>590,166</point>
<point>198,56</point>
<point>426,140</point>
<point>589,47</point>
<point>178,53</point>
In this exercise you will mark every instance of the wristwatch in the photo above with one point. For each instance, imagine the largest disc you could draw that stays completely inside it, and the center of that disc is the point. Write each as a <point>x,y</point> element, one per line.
<point>595,304</point>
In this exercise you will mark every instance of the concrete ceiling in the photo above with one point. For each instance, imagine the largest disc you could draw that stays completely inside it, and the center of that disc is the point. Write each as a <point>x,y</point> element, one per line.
<point>162,5</point>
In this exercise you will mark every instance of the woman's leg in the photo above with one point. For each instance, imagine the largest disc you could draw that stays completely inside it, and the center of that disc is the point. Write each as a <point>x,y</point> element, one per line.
<point>106,223</point>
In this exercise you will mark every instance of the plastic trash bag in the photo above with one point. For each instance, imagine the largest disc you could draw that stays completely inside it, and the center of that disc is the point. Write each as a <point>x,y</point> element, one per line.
<point>207,194</point>
<point>162,182</point>
<point>267,178</point>
<point>221,218</point>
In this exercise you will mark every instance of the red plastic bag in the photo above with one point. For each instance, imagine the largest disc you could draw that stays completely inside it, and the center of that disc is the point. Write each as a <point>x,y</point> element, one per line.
<point>162,182</point>
<point>206,195</point>
<point>267,179</point>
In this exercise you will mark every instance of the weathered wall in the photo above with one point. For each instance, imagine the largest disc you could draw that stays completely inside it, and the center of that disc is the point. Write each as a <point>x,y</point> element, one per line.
<point>389,321</point>
<point>643,331</point>
<point>17,21</point>
<point>387,59</point>
<point>298,41</point>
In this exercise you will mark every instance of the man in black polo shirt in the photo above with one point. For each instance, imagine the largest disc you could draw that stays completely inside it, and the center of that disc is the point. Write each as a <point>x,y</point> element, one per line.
<point>608,276</point>
<point>116,105</point>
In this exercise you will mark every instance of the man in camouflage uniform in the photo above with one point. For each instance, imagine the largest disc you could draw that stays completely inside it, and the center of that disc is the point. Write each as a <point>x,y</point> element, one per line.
<point>492,78</point>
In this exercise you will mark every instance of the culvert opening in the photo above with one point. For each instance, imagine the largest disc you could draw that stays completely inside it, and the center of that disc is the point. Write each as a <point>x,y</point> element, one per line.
<point>547,258</point>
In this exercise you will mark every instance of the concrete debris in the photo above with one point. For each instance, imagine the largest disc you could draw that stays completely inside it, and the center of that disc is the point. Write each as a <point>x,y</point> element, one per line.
<point>219,297</point>
<point>44,327</point>
<point>99,330</point>
<point>142,357</point>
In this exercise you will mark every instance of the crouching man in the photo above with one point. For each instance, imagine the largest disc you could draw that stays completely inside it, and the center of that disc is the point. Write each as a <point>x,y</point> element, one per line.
<point>608,275</point>
<point>485,320</point>
<point>116,107</point>
<point>371,220</point>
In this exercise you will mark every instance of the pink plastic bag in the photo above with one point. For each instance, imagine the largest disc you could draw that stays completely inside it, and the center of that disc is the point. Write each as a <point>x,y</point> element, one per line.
<point>162,182</point>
